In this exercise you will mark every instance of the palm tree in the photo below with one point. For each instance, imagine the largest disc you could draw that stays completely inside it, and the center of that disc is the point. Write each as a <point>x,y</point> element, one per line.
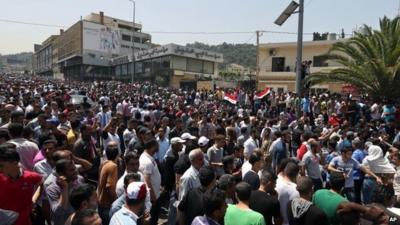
<point>370,61</point>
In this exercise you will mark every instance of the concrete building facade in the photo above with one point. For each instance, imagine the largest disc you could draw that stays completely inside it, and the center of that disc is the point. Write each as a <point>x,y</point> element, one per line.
<point>278,63</point>
<point>171,65</point>
<point>86,48</point>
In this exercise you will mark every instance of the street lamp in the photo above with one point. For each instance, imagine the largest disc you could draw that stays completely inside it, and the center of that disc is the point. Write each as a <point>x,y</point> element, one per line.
<point>280,20</point>
<point>133,40</point>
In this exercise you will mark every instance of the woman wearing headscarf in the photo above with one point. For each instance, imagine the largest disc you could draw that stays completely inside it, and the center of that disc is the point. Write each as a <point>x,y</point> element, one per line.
<point>379,165</point>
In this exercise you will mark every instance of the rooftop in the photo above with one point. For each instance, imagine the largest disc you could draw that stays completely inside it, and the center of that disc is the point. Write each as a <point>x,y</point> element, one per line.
<point>305,43</point>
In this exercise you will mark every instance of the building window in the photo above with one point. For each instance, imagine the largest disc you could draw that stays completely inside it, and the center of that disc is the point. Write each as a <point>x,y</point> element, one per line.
<point>194,65</point>
<point>320,61</point>
<point>178,63</point>
<point>208,67</point>
<point>278,64</point>
<point>165,62</point>
<point>136,39</point>
<point>139,67</point>
<point>126,37</point>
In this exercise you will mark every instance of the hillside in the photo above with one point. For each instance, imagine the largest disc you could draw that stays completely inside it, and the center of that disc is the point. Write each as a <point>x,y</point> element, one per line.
<point>19,61</point>
<point>242,54</point>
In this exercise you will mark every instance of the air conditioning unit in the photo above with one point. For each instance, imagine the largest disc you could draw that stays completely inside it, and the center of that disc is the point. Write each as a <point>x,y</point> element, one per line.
<point>272,52</point>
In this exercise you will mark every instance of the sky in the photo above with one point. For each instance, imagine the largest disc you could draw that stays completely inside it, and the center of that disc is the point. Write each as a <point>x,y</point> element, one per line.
<point>189,16</point>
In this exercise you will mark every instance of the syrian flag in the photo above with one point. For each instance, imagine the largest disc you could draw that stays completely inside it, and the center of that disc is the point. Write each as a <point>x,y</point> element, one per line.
<point>262,94</point>
<point>232,98</point>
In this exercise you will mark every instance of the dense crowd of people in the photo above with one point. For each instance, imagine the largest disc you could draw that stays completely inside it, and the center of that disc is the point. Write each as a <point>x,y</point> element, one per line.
<point>91,153</point>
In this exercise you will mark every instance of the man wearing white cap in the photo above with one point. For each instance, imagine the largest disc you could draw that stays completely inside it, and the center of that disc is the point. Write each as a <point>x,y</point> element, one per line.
<point>203,145</point>
<point>189,145</point>
<point>134,206</point>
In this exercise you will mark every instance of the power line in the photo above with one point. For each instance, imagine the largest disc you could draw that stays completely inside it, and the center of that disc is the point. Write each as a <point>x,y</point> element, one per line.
<point>166,32</point>
<point>29,23</point>
<point>252,36</point>
<point>308,3</point>
<point>200,32</point>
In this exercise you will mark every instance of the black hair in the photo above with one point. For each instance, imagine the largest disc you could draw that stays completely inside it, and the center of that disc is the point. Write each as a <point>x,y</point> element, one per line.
<point>4,134</point>
<point>206,175</point>
<point>16,130</point>
<point>243,191</point>
<point>80,216</point>
<point>61,165</point>
<point>243,130</point>
<point>382,193</point>
<point>16,114</point>
<point>254,157</point>
<point>267,176</point>
<point>84,128</point>
<point>227,160</point>
<point>8,154</point>
<point>112,152</point>
<point>292,170</point>
<point>129,156</point>
<point>213,201</point>
<point>131,176</point>
<point>80,194</point>
<point>347,149</point>
<point>304,185</point>
<point>284,163</point>
<point>278,134</point>
<point>237,148</point>
<point>75,124</point>
<point>307,135</point>
<point>150,143</point>
<point>336,180</point>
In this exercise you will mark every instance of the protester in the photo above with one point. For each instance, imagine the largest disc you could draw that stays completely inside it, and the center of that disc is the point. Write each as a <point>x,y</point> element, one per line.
<point>187,210</point>
<point>214,206</point>
<point>134,206</point>
<point>265,199</point>
<point>17,186</point>
<point>240,213</point>
<point>286,188</point>
<point>301,210</point>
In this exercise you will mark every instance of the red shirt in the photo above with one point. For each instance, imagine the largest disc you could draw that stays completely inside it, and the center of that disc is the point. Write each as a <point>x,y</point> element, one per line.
<point>333,121</point>
<point>16,195</point>
<point>301,151</point>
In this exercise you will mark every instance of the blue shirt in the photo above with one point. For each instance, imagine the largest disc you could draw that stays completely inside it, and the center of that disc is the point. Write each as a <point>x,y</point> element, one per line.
<point>387,109</point>
<point>346,167</point>
<point>163,146</point>
<point>124,216</point>
<point>305,103</point>
<point>358,155</point>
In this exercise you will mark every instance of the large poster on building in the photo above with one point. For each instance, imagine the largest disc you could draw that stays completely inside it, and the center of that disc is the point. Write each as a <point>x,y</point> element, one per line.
<point>97,37</point>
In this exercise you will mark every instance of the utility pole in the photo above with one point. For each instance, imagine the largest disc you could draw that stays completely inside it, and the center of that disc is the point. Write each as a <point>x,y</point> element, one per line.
<point>258,34</point>
<point>299,57</point>
<point>398,10</point>
<point>133,41</point>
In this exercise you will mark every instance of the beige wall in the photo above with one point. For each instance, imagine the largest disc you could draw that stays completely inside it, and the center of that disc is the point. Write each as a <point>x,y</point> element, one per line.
<point>70,42</point>
<point>286,80</point>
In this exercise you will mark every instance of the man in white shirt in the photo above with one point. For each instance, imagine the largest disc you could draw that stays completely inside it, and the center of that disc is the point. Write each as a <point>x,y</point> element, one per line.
<point>27,150</point>
<point>163,144</point>
<point>190,179</point>
<point>104,116</point>
<point>286,189</point>
<point>251,143</point>
<point>129,132</point>
<point>132,166</point>
<point>152,177</point>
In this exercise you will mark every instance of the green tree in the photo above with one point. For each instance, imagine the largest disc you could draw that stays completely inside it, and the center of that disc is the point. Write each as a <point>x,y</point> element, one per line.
<point>370,61</point>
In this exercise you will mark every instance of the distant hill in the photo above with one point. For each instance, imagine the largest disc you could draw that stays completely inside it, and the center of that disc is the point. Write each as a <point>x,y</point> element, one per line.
<point>21,61</point>
<point>242,54</point>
